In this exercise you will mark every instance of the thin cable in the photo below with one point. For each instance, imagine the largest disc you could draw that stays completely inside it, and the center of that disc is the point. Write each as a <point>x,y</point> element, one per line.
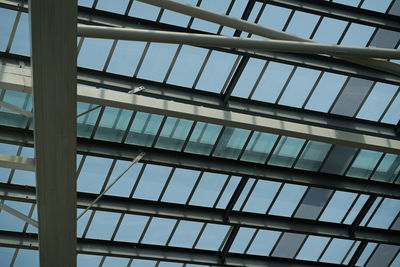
<point>135,160</point>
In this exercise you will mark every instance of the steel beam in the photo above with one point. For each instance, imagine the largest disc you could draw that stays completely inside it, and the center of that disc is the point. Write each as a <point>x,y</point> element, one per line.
<point>17,162</point>
<point>342,12</point>
<point>261,30</point>
<point>53,53</point>
<point>227,118</point>
<point>213,164</point>
<point>156,252</point>
<point>329,64</point>
<point>211,215</point>
<point>210,40</point>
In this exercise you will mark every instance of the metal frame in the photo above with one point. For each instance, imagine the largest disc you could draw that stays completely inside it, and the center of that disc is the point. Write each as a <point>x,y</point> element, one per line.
<point>53,42</point>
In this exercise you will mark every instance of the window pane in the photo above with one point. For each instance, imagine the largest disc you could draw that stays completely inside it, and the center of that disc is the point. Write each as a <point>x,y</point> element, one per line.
<point>313,156</point>
<point>203,138</point>
<point>286,151</point>
<point>174,133</point>
<point>259,147</point>
<point>231,143</point>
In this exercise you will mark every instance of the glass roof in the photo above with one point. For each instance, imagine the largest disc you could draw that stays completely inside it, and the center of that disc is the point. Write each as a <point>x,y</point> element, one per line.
<point>203,70</point>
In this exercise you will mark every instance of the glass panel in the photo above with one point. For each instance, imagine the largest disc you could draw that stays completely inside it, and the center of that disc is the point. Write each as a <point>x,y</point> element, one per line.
<point>131,228</point>
<point>288,200</point>
<point>7,18</point>
<point>244,194</point>
<point>144,129</point>
<point>113,124</point>
<point>288,245</point>
<point>385,214</point>
<point>337,250</point>
<point>338,159</point>
<point>144,11</point>
<point>21,43</point>
<point>231,143</point>
<point>187,66</point>
<point>262,196</point>
<point>377,101</point>
<point>383,255</point>
<point>85,123</point>
<point>312,248</point>
<point>248,77</point>
<point>216,71</point>
<point>125,184</point>
<point>93,53</point>
<point>299,87</point>
<point>174,134</point>
<point>330,30</point>
<point>358,35</point>
<point>93,174</point>
<point>302,24</point>
<point>392,115</point>
<point>154,235</point>
<point>388,169</point>
<point>228,192</point>
<point>264,242</point>
<point>86,3</point>
<point>126,56</point>
<point>118,6</point>
<point>338,206</point>
<point>313,203</point>
<point>286,151</point>
<point>6,254</point>
<point>242,239</point>
<point>212,236</point>
<point>8,221</point>
<point>313,155</point>
<point>370,211</point>
<point>351,97</point>
<point>208,189</point>
<point>156,62</point>
<point>185,234</point>
<point>27,257</point>
<point>274,17</point>
<point>103,225</point>
<point>82,223</point>
<point>366,253</point>
<point>180,186</point>
<point>203,138</point>
<point>18,99</point>
<point>114,261</point>
<point>152,182</point>
<point>326,92</point>
<point>364,164</point>
<point>356,209</point>
<point>272,82</point>
<point>143,263</point>
<point>259,147</point>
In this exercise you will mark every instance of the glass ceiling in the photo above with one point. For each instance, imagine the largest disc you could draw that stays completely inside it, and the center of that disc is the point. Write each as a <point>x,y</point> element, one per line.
<point>212,70</point>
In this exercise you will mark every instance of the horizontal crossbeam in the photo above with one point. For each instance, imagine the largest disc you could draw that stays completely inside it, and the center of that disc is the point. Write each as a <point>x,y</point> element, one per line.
<point>211,215</point>
<point>218,116</point>
<point>213,164</point>
<point>156,252</point>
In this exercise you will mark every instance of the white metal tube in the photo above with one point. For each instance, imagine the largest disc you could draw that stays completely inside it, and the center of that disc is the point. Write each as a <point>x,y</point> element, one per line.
<point>260,30</point>
<point>234,42</point>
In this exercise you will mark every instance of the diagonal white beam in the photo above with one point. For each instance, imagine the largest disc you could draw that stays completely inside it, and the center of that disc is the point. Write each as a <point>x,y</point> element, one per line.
<point>53,56</point>
<point>210,40</point>
<point>18,214</point>
<point>260,30</point>
<point>223,117</point>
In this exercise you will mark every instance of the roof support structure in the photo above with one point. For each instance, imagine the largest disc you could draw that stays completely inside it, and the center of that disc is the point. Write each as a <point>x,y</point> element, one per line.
<point>221,117</point>
<point>212,164</point>
<point>210,215</point>
<point>260,30</point>
<point>342,12</point>
<point>210,40</point>
<point>156,252</point>
<point>53,53</point>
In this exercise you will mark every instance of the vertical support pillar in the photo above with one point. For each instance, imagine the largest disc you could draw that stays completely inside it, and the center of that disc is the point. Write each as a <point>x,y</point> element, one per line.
<point>53,26</point>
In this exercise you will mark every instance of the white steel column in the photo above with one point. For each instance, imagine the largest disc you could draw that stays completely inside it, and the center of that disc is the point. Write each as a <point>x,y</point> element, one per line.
<point>53,55</point>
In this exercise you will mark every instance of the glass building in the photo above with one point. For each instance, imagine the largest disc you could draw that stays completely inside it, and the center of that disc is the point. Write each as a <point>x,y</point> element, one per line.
<point>246,157</point>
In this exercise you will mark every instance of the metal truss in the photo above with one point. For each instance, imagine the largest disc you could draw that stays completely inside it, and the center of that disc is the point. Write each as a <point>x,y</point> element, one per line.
<point>211,215</point>
<point>212,164</point>
<point>156,252</point>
